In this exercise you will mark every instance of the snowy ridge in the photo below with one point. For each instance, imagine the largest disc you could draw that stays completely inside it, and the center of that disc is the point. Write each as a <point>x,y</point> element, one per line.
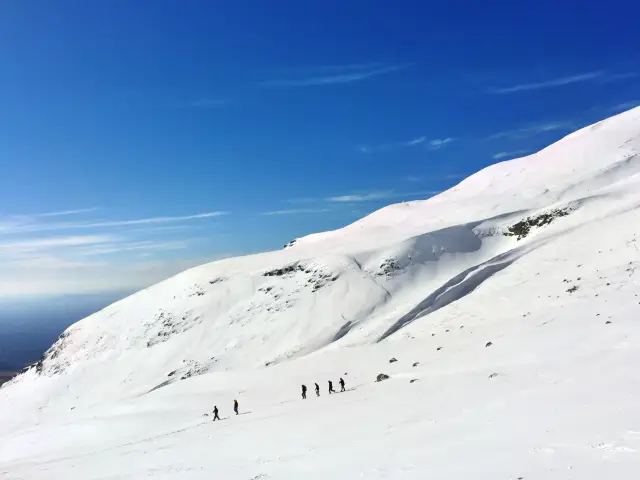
<point>511,274</point>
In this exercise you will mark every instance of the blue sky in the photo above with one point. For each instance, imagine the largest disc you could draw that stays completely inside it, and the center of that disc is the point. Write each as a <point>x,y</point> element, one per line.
<point>138,138</point>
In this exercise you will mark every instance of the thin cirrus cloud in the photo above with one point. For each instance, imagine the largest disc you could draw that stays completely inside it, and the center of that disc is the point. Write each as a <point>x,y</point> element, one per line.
<point>146,246</point>
<point>337,76</point>
<point>598,76</point>
<point>434,144</point>
<point>514,154</point>
<point>151,220</point>
<point>36,264</point>
<point>296,211</point>
<point>415,141</point>
<point>621,107</point>
<point>420,179</point>
<point>440,143</point>
<point>55,242</point>
<point>67,212</point>
<point>378,195</point>
<point>356,197</point>
<point>531,130</point>
<point>29,225</point>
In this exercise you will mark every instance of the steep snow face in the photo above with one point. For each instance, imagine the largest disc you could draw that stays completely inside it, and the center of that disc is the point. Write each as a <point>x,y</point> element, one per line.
<point>511,299</point>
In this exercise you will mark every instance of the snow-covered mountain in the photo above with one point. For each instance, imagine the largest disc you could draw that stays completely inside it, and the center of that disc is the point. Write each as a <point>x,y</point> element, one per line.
<point>510,302</point>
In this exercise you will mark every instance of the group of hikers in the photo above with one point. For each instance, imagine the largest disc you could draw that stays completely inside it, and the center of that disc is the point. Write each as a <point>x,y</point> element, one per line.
<point>304,396</point>
<point>331,390</point>
<point>215,410</point>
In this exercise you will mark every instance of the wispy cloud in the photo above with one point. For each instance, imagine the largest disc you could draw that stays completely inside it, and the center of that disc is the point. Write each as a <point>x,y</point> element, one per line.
<point>30,245</point>
<point>532,130</point>
<point>621,107</point>
<point>297,211</point>
<point>348,74</point>
<point>515,153</point>
<point>440,143</point>
<point>378,195</point>
<point>67,212</point>
<point>364,197</point>
<point>423,140</point>
<point>23,225</point>
<point>413,179</point>
<point>614,77</point>
<point>433,178</point>
<point>415,141</point>
<point>598,76</point>
<point>454,176</point>
<point>32,263</point>
<point>556,82</point>
<point>146,246</point>
<point>150,220</point>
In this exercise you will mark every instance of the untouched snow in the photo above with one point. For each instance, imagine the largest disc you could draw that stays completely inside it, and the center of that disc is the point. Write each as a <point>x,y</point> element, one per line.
<point>517,359</point>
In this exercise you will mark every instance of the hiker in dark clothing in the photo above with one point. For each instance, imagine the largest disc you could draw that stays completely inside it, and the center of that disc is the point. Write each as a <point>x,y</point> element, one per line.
<point>317,390</point>
<point>331,390</point>
<point>304,392</point>
<point>215,414</point>
<point>235,406</point>
<point>341,385</point>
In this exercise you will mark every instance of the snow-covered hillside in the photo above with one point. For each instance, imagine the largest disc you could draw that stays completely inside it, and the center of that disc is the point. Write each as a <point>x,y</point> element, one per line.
<point>510,302</point>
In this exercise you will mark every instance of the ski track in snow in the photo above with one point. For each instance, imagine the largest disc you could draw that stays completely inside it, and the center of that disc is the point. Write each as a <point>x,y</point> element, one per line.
<point>516,358</point>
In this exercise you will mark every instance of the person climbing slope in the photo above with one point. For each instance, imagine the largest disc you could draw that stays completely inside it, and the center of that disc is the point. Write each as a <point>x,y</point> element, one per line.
<point>304,392</point>
<point>235,406</point>
<point>341,385</point>
<point>317,390</point>
<point>331,390</point>
<point>215,414</point>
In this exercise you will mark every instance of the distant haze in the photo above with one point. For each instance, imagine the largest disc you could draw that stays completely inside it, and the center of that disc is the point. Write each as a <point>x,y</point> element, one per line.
<point>29,327</point>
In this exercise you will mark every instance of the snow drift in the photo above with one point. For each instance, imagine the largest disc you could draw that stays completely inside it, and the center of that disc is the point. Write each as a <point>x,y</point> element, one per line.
<point>510,301</point>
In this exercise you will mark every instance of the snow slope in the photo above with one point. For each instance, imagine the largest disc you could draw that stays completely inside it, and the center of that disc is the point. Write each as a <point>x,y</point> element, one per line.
<point>518,353</point>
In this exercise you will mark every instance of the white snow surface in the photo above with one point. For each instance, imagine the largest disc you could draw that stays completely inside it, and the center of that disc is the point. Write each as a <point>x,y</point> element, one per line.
<point>516,358</point>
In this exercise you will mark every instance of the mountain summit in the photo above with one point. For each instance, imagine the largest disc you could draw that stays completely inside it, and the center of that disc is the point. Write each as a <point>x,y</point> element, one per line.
<point>508,303</point>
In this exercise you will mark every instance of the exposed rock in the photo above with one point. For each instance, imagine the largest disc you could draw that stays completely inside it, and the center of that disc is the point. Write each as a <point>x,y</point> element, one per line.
<point>381,377</point>
<point>522,228</point>
<point>388,266</point>
<point>488,344</point>
<point>392,360</point>
<point>165,326</point>
<point>493,375</point>
<point>416,364</point>
<point>279,272</point>
<point>413,380</point>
